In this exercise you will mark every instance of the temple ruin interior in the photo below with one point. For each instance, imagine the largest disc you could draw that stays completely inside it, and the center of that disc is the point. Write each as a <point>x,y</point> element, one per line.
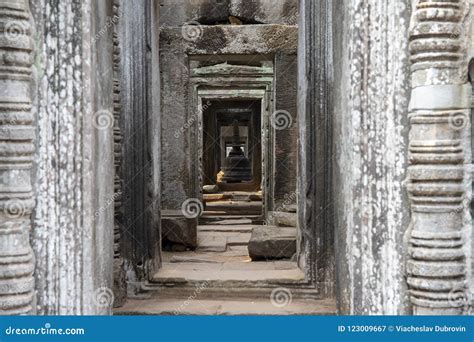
<point>234,157</point>
<point>239,231</point>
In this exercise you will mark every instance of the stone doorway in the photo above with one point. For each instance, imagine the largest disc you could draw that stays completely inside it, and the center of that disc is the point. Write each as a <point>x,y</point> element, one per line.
<point>242,247</point>
<point>242,194</point>
<point>214,250</point>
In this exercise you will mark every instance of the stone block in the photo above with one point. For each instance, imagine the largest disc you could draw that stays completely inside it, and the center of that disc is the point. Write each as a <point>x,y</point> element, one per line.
<point>179,230</point>
<point>282,219</point>
<point>210,189</point>
<point>270,242</point>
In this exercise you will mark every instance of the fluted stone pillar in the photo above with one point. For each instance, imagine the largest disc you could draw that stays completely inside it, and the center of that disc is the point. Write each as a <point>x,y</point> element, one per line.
<point>315,206</point>
<point>439,156</point>
<point>140,126</point>
<point>17,135</point>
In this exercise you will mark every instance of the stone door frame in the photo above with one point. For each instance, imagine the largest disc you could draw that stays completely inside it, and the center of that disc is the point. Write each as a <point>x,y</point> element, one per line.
<point>207,84</point>
<point>242,83</point>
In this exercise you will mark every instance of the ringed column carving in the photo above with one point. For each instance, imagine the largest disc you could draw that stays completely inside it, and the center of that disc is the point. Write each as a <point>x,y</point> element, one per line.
<point>16,158</point>
<point>119,271</point>
<point>439,180</point>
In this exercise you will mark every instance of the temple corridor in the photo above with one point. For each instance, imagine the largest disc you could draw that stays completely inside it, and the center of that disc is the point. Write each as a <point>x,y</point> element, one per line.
<point>236,157</point>
<point>220,278</point>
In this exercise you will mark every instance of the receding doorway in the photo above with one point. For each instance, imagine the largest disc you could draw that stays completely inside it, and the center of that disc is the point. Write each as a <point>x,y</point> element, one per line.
<point>232,157</point>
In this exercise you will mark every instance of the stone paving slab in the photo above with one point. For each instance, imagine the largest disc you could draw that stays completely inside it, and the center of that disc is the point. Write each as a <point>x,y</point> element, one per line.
<point>241,239</point>
<point>211,243</point>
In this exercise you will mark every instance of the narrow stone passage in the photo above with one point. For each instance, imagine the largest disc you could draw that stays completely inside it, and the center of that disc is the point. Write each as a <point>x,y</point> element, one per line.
<point>219,277</point>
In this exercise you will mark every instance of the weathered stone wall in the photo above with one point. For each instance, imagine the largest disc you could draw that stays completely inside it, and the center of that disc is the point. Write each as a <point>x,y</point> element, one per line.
<point>371,84</point>
<point>179,12</point>
<point>74,216</point>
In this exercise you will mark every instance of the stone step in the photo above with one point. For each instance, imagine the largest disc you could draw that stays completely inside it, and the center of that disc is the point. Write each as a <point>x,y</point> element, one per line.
<point>225,228</point>
<point>209,198</point>
<point>194,260</point>
<point>228,219</point>
<point>229,275</point>
<point>229,280</point>
<point>234,207</point>
<point>157,305</point>
<point>232,254</point>
<point>208,290</point>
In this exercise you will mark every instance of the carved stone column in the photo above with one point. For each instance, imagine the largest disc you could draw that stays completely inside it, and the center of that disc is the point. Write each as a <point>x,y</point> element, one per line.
<point>16,156</point>
<point>439,153</point>
<point>120,290</point>
<point>316,239</point>
<point>140,127</point>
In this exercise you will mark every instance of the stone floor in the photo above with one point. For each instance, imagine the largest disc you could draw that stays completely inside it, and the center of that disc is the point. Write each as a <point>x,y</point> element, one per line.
<point>222,257</point>
<point>219,278</point>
